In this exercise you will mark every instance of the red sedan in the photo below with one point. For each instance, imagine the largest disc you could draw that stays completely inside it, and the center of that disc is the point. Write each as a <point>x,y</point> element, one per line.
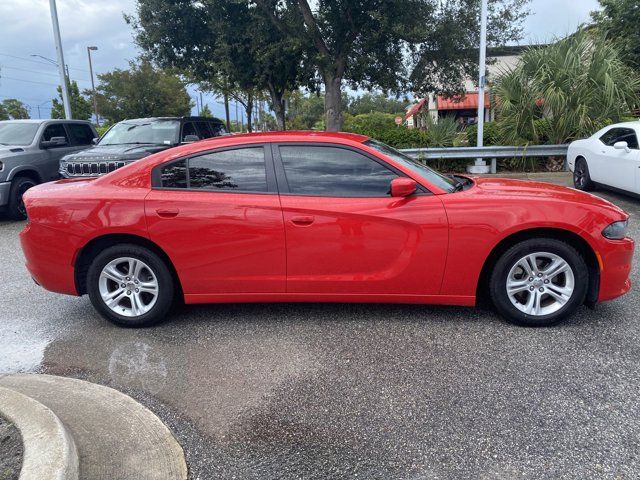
<point>320,217</point>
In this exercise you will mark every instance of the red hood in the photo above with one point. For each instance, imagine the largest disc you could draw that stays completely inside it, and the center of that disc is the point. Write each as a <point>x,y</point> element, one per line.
<point>506,187</point>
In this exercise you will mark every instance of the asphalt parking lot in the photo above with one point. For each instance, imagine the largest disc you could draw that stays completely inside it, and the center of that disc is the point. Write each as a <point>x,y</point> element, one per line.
<point>345,391</point>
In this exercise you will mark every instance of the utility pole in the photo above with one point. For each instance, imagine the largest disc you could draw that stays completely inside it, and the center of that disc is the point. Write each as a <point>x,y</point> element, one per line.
<point>63,77</point>
<point>93,87</point>
<point>480,165</point>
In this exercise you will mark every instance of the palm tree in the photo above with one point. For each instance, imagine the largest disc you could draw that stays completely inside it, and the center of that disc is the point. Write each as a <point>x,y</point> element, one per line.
<point>565,91</point>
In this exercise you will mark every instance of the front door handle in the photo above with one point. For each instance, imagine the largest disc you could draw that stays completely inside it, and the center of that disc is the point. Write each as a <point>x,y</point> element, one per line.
<point>302,221</point>
<point>167,212</point>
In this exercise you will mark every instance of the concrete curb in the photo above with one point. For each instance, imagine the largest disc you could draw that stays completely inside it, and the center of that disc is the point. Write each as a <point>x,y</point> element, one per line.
<point>49,450</point>
<point>116,437</point>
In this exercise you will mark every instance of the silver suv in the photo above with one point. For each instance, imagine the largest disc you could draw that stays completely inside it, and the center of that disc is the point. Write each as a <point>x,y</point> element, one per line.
<point>30,153</point>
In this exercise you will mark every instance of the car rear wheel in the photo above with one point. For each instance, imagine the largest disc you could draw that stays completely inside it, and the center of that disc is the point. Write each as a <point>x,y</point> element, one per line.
<point>19,186</point>
<point>539,282</point>
<point>581,177</point>
<point>130,286</point>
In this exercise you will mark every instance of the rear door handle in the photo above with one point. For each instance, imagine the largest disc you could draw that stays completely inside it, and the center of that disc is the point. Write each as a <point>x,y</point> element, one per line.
<point>302,221</point>
<point>167,212</point>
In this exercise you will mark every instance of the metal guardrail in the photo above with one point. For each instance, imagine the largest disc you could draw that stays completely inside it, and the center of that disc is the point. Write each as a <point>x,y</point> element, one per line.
<point>454,153</point>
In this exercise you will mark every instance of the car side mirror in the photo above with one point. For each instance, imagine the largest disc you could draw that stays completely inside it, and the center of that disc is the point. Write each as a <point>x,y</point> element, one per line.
<point>95,140</point>
<point>622,146</point>
<point>54,142</point>
<point>403,187</point>
<point>191,138</point>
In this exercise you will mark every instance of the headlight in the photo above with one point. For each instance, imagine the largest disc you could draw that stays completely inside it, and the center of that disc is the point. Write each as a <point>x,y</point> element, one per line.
<point>616,231</point>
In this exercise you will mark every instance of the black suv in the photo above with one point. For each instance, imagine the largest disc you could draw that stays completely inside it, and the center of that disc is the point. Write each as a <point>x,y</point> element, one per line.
<point>131,140</point>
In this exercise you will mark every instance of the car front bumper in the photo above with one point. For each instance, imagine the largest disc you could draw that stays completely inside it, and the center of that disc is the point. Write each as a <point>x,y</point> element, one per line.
<point>5,189</point>
<point>615,268</point>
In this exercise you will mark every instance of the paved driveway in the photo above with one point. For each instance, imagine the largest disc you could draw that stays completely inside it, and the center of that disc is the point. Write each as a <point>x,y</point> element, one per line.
<point>345,391</point>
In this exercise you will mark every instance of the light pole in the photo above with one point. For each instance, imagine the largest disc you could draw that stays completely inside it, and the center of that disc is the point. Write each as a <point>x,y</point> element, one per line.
<point>63,77</point>
<point>93,87</point>
<point>480,165</point>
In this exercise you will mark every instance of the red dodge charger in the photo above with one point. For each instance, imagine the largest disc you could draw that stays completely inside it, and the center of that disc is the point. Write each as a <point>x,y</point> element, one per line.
<point>320,217</point>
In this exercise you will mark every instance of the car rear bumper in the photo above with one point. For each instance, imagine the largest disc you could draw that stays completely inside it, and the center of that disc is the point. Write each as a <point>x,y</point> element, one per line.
<point>5,189</point>
<point>615,269</point>
<point>50,257</point>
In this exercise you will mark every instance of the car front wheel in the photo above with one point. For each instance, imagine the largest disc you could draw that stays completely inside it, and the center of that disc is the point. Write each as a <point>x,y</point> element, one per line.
<point>130,286</point>
<point>19,186</point>
<point>581,176</point>
<point>539,282</point>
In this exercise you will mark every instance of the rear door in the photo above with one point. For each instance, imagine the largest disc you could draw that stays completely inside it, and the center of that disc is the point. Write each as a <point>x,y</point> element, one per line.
<point>217,215</point>
<point>345,233</point>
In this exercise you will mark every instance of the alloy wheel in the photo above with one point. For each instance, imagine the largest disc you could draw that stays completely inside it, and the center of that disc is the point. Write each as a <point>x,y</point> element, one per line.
<point>128,286</point>
<point>540,283</point>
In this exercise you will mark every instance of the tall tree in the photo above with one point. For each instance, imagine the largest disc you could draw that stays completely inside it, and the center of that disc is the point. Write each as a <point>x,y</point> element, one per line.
<point>221,41</point>
<point>12,108</point>
<point>618,21</point>
<point>141,91</point>
<point>364,42</point>
<point>81,108</point>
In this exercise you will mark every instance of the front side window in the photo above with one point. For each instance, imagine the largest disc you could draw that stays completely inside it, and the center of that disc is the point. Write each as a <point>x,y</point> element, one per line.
<point>616,135</point>
<point>241,169</point>
<point>154,132</point>
<point>334,171</point>
<point>80,134</point>
<point>189,129</point>
<point>55,130</point>
<point>17,133</point>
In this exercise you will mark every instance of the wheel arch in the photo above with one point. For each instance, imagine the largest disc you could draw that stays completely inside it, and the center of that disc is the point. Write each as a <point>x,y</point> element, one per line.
<point>31,173</point>
<point>86,255</point>
<point>573,239</point>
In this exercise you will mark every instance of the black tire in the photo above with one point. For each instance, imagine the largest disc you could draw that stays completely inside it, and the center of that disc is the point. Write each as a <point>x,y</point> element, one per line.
<point>581,177</point>
<point>509,260</point>
<point>156,266</point>
<point>19,186</point>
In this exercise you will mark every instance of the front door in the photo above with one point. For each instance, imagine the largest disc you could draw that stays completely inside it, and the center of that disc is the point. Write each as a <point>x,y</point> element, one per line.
<point>217,216</point>
<point>346,234</point>
<point>617,167</point>
<point>50,162</point>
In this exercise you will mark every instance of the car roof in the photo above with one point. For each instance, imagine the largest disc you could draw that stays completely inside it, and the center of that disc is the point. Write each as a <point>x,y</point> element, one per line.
<point>316,135</point>
<point>46,120</point>
<point>152,119</point>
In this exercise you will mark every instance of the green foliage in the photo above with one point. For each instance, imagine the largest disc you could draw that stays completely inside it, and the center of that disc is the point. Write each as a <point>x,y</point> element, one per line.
<point>305,111</point>
<point>565,91</point>
<point>491,134</point>
<point>81,108</point>
<point>102,129</point>
<point>372,102</point>
<point>373,121</point>
<point>141,91</point>
<point>206,112</point>
<point>618,20</point>
<point>443,133</point>
<point>13,109</point>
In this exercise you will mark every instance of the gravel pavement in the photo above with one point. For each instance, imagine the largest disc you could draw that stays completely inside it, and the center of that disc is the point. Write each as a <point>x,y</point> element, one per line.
<point>356,391</point>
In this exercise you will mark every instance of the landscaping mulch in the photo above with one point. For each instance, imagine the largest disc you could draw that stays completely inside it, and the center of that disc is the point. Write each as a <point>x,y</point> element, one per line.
<point>10,451</point>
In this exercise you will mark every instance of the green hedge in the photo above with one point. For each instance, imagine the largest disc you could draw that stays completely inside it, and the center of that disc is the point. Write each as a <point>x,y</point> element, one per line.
<point>102,129</point>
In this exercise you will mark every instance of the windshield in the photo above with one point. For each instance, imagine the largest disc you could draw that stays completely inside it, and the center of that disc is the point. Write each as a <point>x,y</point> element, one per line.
<point>437,179</point>
<point>159,132</point>
<point>17,133</point>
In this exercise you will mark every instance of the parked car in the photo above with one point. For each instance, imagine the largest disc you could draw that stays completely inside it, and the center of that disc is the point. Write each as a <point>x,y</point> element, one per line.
<point>320,217</point>
<point>30,152</point>
<point>131,140</point>
<point>609,158</point>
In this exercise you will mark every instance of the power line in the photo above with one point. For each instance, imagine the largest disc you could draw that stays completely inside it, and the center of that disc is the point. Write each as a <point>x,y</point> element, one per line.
<point>25,59</point>
<point>3,77</point>
<point>41,73</point>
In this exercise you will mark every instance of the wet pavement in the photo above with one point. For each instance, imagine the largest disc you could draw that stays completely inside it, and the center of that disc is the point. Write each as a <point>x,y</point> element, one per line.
<point>345,391</point>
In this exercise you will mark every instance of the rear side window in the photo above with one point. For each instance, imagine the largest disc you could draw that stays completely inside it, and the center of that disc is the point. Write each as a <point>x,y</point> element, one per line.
<point>334,171</point>
<point>174,175</point>
<point>204,130</point>
<point>189,128</point>
<point>55,130</point>
<point>217,129</point>
<point>80,134</point>
<point>242,170</point>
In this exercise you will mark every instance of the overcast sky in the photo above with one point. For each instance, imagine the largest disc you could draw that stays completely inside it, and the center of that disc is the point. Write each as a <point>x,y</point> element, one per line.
<point>26,30</point>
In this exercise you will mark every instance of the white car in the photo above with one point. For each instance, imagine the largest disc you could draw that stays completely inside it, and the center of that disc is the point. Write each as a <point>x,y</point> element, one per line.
<point>609,158</point>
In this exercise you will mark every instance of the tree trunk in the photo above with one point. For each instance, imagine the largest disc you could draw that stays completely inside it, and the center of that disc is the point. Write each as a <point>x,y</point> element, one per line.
<point>277,105</point>
<point>333,103</point>
<point>248,108</point>
<point>226,111</point>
